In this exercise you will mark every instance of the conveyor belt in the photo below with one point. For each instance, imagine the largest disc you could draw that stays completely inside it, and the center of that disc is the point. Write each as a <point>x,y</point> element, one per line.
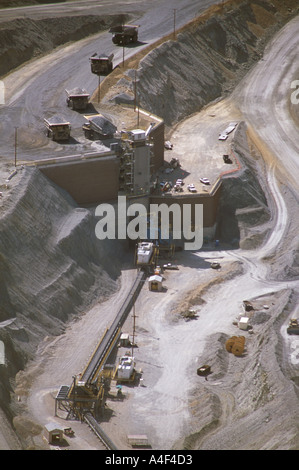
<point>94,425</point>
<point>112,333</point>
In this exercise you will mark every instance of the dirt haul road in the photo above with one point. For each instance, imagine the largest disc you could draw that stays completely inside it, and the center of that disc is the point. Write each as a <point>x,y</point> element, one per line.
<point>234,420</point>
<point>243,403</point>
<point>38,87</point>
<point>37,90</point>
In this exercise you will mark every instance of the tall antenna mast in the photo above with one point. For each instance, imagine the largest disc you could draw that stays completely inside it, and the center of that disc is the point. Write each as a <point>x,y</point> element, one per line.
<point>134,325</point>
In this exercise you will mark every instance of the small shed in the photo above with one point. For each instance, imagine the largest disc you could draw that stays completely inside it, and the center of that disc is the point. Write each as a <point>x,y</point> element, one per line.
<point>53,433</point>
<point>138,440</point>
<point>125,339</point>
<point>243,323</point>
<point>155,283</point>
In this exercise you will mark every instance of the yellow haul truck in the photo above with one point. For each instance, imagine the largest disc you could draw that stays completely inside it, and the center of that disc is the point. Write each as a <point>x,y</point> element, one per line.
<point>58,128</point>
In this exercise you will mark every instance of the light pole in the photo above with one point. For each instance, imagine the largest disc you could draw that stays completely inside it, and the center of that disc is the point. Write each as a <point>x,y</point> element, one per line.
<point>16,143</point>
<point>174,23</point>
<point>135,90</point>
<point>123,41</point>
<point>99,89</point>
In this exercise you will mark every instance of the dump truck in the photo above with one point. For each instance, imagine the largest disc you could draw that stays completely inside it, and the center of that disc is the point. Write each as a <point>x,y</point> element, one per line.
<point>58,128</point>
<point>293,328</point>
<point>101,64</point>
<point>77,98</point>
<point>124,34</point>
<point>98,127</point>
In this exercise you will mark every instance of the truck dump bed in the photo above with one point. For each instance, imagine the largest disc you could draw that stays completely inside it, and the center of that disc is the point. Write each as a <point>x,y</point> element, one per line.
<point>77,93</point>
<point>101,63</point>
<point>98,126</point>
<point>58,128</point>
<point>56,121</point>
<point>123,28</point>
<point>124,34</point>
<point>77,98</point>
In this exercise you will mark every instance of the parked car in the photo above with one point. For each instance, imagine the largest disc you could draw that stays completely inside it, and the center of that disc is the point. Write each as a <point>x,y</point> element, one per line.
<point>170,266</point>
<point>191,188</point>
<point>168,145</point>
<point>204,180</point>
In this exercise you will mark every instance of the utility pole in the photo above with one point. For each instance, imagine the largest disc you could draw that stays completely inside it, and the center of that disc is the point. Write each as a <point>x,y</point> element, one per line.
<point>134,324</point>
<point>123,38</point>
<point>174,23</point>
<point>99,89</point>
<point>16,143</point>
<point>138,113</point>
<point>135,90</point>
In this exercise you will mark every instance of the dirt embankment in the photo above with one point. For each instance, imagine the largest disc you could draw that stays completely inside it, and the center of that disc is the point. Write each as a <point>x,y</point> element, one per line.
<point>25,38</point>
<point>25,3</point>
<point>51,268</point>
<point>42,230</point>
<point>209,56</point>
<point>242,405</point>
<point>244,211</point>
<point>208,59</point>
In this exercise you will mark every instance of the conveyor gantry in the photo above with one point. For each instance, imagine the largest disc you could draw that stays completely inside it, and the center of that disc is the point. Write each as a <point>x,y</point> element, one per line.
<point>87,392</point>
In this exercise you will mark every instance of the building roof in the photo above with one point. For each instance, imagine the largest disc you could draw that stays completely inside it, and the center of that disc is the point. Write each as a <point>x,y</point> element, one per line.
<point>155,278</point>
<point>53,427</point>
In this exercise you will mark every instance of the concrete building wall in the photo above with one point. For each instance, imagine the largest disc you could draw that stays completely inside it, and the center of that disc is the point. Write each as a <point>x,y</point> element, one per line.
<point>209,202</point>
<point>141,170</point>
<point>87,181</point>
<point>157,134</point>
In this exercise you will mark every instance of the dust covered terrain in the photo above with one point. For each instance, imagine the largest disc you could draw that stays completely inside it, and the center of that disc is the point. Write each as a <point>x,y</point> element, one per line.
<point>60,286</point>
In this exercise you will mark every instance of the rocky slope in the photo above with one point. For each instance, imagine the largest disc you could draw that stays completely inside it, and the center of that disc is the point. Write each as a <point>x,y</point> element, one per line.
<point>208,57</point>
<point>42,230</point>
<point>244,211</point>
<point>52,267</point>
<point>248,411</point>
<point>25,38</point>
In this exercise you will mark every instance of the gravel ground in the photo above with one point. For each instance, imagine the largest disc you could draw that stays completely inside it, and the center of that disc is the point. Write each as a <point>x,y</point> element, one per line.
<point>248,402</point>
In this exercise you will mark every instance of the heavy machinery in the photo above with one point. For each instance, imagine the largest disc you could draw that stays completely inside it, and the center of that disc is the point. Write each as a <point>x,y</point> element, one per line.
<point>58,128</point>
<point>235,345</point>
<point>98,127</point>
<point>77,98</point>
<point>125,371</point>
<point>146,253</point>
<point>124,34</point>
<point>293,328</point>
<point>174,163</point>
<point>89,389</point>
<point>204,370</point>
<point>101,64</point>
<point>227,159</point>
